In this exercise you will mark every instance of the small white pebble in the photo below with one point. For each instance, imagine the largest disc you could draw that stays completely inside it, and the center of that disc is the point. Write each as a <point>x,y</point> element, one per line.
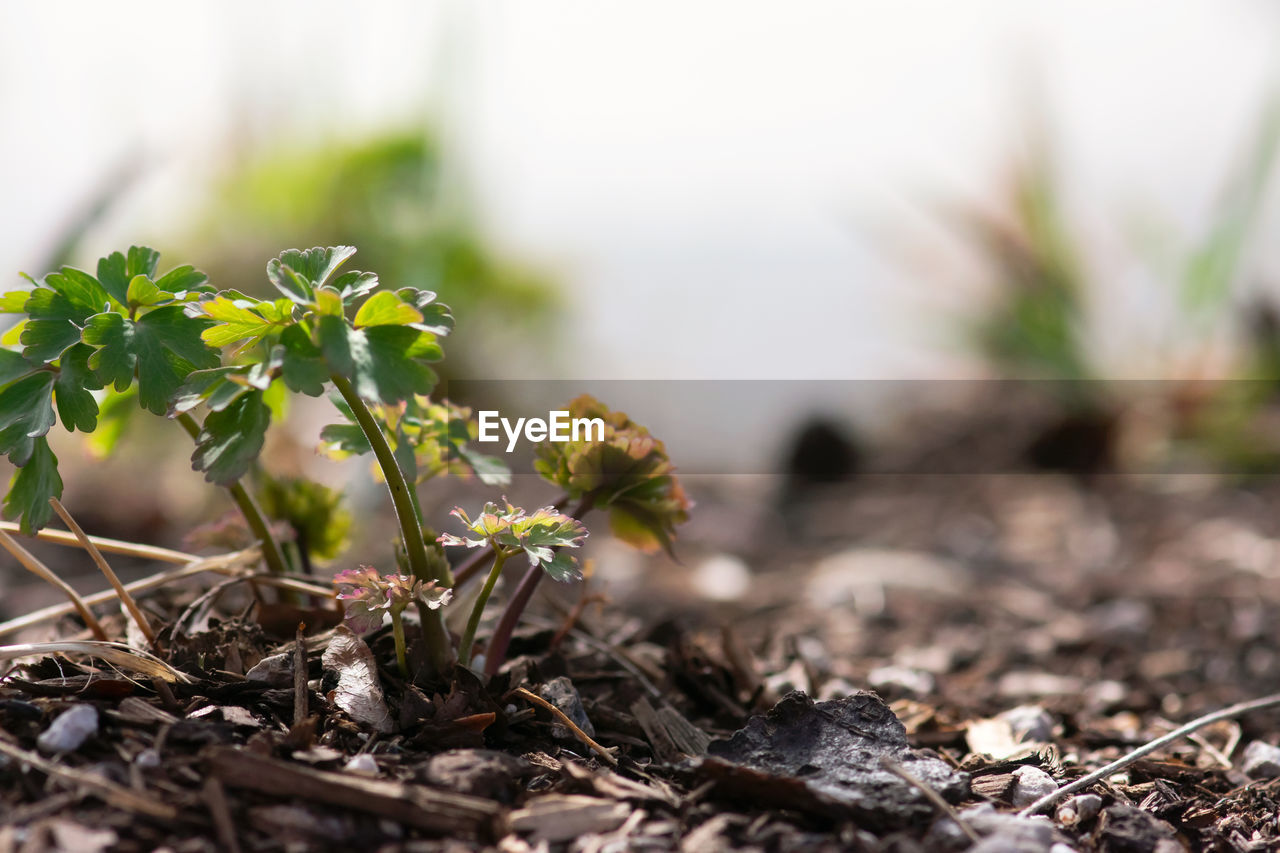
<point>69,729</point>
<point>1030,723</point>
<point>722,577</point>
<point>364,764</point>
<point>1032,784</point>
<point>147,759</point>
<point>1261,760</point>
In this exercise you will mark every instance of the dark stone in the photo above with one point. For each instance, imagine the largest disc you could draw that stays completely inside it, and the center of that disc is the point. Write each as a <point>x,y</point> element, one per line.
<point>828,758</point>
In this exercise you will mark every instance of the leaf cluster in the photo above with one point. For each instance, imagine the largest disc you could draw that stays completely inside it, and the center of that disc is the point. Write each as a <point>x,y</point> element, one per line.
<point>123,329</point>
<point>628,474</point>
<point>538,535</point>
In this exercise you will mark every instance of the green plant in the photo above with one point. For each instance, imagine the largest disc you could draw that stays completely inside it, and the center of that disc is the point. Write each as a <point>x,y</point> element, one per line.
<point>509,531</point>
<point>178,347</point>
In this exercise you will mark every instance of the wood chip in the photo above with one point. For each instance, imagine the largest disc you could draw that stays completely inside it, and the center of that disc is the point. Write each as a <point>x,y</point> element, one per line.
<point>434,811</point>
<point>563,817</point>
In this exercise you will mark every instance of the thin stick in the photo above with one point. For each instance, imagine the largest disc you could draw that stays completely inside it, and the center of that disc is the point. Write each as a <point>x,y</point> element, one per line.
<point>568,723</point>
<point>1146,749</point>
<point>110,546</point>
<point>40,570</point>
<point>125,598</point>
<point>931,795</point>
<point>223,564</point>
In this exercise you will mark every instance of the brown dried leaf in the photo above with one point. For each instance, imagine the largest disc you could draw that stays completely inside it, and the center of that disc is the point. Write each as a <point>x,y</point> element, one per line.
<point>359,692</point>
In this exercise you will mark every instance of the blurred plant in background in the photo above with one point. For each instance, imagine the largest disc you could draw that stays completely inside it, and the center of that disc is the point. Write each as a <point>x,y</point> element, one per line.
<point>389,195</point>
<point>1040,324</point>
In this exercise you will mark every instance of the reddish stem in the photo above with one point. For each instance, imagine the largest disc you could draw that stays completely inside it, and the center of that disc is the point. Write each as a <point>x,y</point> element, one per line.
<point>496,654</point>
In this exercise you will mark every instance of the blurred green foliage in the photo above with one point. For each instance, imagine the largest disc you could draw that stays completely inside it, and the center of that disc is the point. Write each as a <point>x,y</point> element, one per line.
<point>387,195</point>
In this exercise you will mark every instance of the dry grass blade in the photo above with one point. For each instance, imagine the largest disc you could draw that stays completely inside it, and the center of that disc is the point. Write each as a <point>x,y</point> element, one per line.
<point>564,719</point>
<point>230,563</point>
<point>1146,749</point>
<point>109,546</point>
<point>114,653</point>
<point>125,598</point>
<point>40,570</point>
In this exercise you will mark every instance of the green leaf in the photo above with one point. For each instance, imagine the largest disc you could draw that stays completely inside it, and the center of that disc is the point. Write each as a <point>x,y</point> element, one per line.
<point>113,273</point>
<point>13,335</point>
<point>436,317</point>
<point>12,366</point>
<point>32,486</point>
<point>57,310</point>
<point>213,386</point>
<point>562,567</point>
<point>352,285</point>
<point>143,291</point>
<point>329,302</point>
<point>26,413</point>
<point>304,369</point>
<point>14,302</point>
<point>296,272</point>
<point>491,470</point>
<point>234,322</point>
<point>345,439</point>
<point>231,439</point>
<point>386,309</point>
<point>76,406</point>
<point>183,278</point>
<point>163,347</point>
<point>383,362</point>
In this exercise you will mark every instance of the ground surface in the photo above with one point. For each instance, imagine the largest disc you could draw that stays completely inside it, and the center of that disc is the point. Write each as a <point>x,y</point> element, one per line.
<point>1007,621</point>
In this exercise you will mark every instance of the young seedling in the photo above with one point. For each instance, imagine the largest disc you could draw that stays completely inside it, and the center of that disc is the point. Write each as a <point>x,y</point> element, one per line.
<point>508,531</point>
<point>368,595</point>
<point>627,475</point>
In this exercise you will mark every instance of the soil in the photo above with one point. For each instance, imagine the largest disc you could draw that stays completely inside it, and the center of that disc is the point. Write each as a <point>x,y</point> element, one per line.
<point>906,662</point>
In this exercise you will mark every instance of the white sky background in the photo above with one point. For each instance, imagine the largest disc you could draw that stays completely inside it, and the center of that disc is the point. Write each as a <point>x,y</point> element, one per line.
<point>723,185</point>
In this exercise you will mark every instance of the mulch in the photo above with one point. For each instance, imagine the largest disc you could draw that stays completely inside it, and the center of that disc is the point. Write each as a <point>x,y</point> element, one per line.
<point>938,635</point>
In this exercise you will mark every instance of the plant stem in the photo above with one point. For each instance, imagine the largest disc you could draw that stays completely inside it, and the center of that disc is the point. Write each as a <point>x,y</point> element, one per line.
<point>469,635</point>
<point>249,508</point>
<point>397,631</point>
<point>497,652</point>
<point>415,549</point>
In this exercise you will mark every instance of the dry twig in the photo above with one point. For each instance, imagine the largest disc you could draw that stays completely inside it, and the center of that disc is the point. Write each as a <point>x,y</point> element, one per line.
<point>125,598</point>
<point>604,753</point>
<point>40,570</point>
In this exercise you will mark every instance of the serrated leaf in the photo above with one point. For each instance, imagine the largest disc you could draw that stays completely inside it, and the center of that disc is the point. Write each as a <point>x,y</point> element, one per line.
<point>233,322</point>
<point>76,406</point>
<point>214,386</point>
<point>143,292</point>
<point>113,274</point>
<point>436,317</point>
<point>31,488</point>
<point>386,309</point>
<point>352,285</point>
<point>304,369</point>
<point>56,311</point>
<point>163,347</point>
<point>183,278</point>
<point>142,261</point>
<point>385,363</point>
<point>231,439</point>
<point>296,273</point>
<point>563,567</point>
<point>26,413</point>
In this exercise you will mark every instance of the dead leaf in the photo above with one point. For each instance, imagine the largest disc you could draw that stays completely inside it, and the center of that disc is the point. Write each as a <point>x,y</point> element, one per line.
<point>359,692</point>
